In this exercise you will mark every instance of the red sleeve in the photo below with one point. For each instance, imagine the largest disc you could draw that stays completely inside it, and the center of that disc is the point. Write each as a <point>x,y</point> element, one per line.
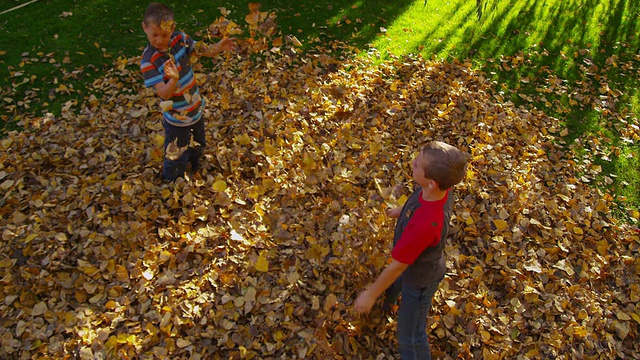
<point>414,240</point>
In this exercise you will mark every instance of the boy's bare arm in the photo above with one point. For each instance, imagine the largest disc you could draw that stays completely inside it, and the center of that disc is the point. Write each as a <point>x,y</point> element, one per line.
<point>368,297</point>
<point>228,44</point>
<point>165,89</point>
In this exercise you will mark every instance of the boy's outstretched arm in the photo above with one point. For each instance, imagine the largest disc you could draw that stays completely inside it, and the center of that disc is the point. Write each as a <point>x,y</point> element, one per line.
<point>388,276</point>
<point>228,44</point>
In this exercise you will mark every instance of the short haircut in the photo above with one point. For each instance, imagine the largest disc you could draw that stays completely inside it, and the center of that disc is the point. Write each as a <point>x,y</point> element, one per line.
<point>445,164</point>
<point>157,13</point>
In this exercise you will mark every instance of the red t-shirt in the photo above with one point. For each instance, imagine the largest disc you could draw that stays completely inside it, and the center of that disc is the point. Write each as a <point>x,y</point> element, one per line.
<point>422,231</point>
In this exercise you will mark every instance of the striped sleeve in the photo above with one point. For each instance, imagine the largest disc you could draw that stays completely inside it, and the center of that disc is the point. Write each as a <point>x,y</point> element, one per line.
<point>189,42</point>
<point>150,73</point>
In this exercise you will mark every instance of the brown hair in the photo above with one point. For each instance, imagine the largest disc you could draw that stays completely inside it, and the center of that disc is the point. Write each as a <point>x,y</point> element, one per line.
<point>157,13</point>
<point>445,164</point>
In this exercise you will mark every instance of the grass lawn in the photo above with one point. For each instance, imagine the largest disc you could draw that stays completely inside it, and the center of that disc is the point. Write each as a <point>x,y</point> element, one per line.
<point>51,51</point>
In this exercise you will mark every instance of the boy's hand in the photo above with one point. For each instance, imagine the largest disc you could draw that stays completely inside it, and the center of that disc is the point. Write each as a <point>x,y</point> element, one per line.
<point>171,70</point>
<point>395,212</point>
<point>228,44</point>
<point>364,302</point>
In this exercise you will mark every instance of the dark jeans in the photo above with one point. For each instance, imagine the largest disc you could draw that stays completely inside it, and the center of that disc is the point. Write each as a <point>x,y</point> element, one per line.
<point>412,318</point>
<point>175,167</point>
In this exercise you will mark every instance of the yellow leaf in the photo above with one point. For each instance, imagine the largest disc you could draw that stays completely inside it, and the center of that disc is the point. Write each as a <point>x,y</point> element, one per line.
<point>477,272</point>
<point>500,224</point>
<point>295,41</point>
<point>7,262</point>
<point>166,105</point>
<point>532,353</point>
<point>219,185</point>
<point>622,329</point>
<point>111,343</point>
<point>278,336</point>
<point>330,302</point>
<point>39,309</point>
<point>173,151</point>
<point>87,268</point>
<point>623,316</point>
<point>183,343</point>
<point>165,193</point>
<point>125,338</point>
<point>486,336</point>
<point>158,140</point>
<point>7,184</point>
<point>269,149</point>
<point>121,273</point>
<point>152,330</point>
<point>110,305</point>
<point>603,247</point>
<point>262,264</point>
<point>293,277</point>
<point>243,139</point>
<point>402,200</point>
<point>164,256</point>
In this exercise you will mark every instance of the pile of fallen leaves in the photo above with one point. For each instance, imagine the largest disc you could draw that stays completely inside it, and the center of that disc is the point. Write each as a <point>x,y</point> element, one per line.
<point>261,253</point>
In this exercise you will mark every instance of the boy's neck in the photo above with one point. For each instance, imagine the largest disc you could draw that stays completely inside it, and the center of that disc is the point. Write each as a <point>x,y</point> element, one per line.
<point>433,194</point>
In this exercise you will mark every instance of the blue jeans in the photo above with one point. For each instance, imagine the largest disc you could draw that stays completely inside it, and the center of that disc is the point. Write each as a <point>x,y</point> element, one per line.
<point>174,168</point>
<point>412,321</point>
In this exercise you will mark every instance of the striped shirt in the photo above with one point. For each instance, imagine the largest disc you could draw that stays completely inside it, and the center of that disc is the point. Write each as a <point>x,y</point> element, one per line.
<point>187,103</point>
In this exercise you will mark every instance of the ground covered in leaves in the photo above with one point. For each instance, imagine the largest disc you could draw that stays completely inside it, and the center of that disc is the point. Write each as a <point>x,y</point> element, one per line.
<point>261,253</point>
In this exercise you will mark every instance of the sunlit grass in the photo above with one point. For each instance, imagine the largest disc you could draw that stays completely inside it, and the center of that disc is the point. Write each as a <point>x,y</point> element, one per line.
<point>563,31</point>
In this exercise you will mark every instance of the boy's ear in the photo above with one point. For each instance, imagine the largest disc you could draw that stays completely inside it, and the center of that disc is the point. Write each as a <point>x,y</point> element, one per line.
<point>433,185</point>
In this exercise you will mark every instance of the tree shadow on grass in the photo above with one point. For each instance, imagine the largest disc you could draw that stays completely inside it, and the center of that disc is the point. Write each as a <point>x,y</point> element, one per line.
<point>583,44</point>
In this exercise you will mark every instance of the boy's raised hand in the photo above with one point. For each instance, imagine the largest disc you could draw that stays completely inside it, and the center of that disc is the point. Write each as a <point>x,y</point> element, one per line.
<point>171,70</point>
<point>227,44</point>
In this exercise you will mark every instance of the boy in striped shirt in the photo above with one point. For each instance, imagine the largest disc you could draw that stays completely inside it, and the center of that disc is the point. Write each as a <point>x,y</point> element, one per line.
<point>166,68</point>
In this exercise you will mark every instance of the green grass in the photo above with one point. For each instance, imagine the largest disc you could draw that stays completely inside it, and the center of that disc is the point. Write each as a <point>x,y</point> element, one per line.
<point>45,49</point>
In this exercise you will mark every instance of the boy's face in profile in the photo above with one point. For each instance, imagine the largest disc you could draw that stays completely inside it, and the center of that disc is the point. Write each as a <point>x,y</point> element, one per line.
<point>418,165</point>
<point>159,34</point>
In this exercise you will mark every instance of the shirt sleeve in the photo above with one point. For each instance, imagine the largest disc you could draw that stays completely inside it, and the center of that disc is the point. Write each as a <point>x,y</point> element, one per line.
<point>150,73</point>
<point>414,240</point>
<point>189,43</point>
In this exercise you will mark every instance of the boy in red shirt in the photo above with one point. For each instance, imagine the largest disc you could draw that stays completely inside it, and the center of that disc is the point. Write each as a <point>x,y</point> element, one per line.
<point>418,264</point>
